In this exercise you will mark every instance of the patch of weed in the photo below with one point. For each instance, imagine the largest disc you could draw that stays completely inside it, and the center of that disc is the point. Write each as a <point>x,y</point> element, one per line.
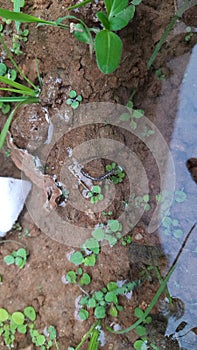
<point>18,258</point>
<point>74,99</point>
<point>105,301</point>
<point>95,194</point>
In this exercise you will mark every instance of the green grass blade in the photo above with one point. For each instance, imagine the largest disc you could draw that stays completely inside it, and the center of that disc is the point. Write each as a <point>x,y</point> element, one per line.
<point>19,99</point>
<point>17,8</point>
<point>22,92</point>
<point>15,65</point>
<point>23,17</point>
<point>79,5</point>
<point>149,308</point>
<point>9,120</point>
<point>168,29</point>
<point>14,84</point>
<point>7,125</point>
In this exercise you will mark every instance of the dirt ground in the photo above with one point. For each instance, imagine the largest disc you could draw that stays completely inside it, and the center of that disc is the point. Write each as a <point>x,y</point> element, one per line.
<point>59,55</point>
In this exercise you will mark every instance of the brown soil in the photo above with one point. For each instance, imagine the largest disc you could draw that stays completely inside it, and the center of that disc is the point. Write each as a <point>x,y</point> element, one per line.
<point>59,55</point>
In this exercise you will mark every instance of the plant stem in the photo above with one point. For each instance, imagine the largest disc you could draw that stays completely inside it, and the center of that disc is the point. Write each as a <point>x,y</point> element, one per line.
<point>20,99</point>
<point>160,290</point>
<point>7,124</point>
<point>15,65</point>
<point>168,29</point>
<point>86,336</point>
<point>79,5</point>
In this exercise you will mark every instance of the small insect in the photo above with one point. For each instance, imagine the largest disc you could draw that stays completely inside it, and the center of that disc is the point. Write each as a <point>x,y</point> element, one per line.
<point>100,178</point>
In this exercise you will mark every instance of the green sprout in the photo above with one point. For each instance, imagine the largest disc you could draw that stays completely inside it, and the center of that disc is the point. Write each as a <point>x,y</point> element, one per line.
<point>18,257</point>
<point>118,175</point>
<point>159,74</point>
<point>23,323</point>
<point>95,194</point>
<point>106,300</point>
<point>82,279</point>
<point>132,115</point>
<point>189,34</point>
<point>74,99</point>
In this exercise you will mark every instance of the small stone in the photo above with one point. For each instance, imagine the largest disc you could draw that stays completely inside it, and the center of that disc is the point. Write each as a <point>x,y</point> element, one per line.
<point>138,237</point>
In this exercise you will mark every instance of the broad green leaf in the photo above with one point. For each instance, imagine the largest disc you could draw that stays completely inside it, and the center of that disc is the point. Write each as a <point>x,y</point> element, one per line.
<point>108,5</point>
<point>178,233</point>
<point>19,262</point>
<point>91,303</point>
<point>30,313</point>
<point>71,277</point>
<point>108,48</point>
<point>18,318</point>
<point>111,297</point>
<point>9,259</point>
<point>3,315</point>
<point>40,340</point>
<point>112,286</point>
<point>52,332</point>
<point>3,69</point>
<point>117,7</point>
<point>83,314</point>
<point>180,196</point>
<point>100,312</point>
<point>85,279</point>
<point>125,117</point>
<point>103,19</point>
<point>141,330</point>
<point>113,311</point>
<point>139,312</point>
<point>121,20</point>
<point>140,345</point>
<point>167,222</point>
<point>22,328</point>
<point>111,240</point>
<point>92,244</point>
<point>138,113</point>
<point>76,258</point>
<point>114,225</point>
<point>99,295</point>
<point>22,253</point>
<point>23,17</point>
<point>98,234</point>
<point>82,34</point>
<point>90,260</point>
<point>96,189</point>
<point>72,94</point>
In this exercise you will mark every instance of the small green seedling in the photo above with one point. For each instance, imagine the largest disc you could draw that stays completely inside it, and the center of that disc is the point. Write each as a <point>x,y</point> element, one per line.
<point>118,175</point>
<point>147,132</point>
<point>74,99</point>
<point>22,36</point>
<point>159,74</point>
<point>132,115</point>
<point>95,194</point>
<point>143,343</point>
<point>18,257</point>
<point>140,201</point>
<point>79,277</point>
<point>23,322</point>
<point>189,34</point>
<point>9,74</point>
<point>126,240</point>
<point>172,227</point>
<point>105,301</point>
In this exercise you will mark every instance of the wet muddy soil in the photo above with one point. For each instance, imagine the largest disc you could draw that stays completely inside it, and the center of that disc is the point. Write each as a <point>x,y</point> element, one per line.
<point>51,131</point>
